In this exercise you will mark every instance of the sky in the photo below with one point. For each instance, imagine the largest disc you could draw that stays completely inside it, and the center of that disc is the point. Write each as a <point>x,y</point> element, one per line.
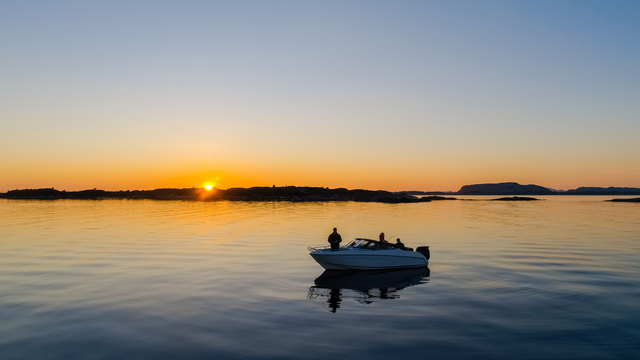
<point>392,95</point>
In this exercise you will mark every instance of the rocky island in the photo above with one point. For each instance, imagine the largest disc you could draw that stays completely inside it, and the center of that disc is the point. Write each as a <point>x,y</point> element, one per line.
<point>626,200</point>
<point>506,188</point>
<point>516,198</point>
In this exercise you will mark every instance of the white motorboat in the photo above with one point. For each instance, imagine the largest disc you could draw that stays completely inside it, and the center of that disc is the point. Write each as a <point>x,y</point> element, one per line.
<point>367,254</point>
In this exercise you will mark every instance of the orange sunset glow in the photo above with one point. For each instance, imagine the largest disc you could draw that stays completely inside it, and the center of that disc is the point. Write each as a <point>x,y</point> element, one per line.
<point>420,97</point>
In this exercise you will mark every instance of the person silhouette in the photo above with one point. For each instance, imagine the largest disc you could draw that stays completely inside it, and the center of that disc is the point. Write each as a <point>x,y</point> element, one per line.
<point>399,244</point>
<point>335,239</point>
<point>335,297</point>
<point>384,244</point>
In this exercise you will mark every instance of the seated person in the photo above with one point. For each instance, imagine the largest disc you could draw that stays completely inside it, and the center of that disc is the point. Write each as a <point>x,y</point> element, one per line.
<point>399,244</point>
<point>384,244</point>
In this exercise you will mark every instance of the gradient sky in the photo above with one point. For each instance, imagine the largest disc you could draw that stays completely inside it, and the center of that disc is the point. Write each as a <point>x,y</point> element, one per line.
<point>395,95</point>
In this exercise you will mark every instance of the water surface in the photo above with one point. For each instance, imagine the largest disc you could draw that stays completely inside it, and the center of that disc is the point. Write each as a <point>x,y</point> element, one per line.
<point>139,279</point>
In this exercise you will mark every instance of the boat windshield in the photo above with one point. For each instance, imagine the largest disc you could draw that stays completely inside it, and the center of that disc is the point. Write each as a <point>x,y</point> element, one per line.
<point>359,243</point>
<point>363,244</point>
<point>369,245</point>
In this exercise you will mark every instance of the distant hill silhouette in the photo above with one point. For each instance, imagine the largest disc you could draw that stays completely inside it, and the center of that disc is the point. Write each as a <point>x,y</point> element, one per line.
<point>513,188</point>
<point>604,191</point>
<point>506,188</point>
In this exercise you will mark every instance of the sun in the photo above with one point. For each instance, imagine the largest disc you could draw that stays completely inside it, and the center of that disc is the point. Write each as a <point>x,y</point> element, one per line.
<point>210,184</point>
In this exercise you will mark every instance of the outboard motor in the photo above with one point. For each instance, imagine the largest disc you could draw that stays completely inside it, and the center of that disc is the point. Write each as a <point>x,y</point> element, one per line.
<point>424,250</point>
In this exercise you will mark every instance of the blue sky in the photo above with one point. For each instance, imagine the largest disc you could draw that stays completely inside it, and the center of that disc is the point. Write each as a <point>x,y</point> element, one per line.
<point>359,94</point>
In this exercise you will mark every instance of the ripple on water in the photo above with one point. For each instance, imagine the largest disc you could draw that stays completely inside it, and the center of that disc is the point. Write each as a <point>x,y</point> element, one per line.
<point>171,279</point>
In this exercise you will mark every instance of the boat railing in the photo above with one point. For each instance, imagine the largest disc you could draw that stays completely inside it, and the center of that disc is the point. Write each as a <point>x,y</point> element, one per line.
<point>375,246</point>
<point>314,248</point>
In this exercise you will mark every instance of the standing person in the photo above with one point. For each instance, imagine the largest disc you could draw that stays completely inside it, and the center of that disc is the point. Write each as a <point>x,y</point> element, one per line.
<point>382,240</point>
<point>335,239</point>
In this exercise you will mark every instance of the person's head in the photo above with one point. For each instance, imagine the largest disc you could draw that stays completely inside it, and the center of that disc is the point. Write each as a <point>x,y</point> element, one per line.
<point>335,229</point>
<point>398,240</point>
<point>381,235</point>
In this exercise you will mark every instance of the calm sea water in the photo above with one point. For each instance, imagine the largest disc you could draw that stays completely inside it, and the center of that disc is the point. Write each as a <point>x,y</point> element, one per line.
<point>114,279</point>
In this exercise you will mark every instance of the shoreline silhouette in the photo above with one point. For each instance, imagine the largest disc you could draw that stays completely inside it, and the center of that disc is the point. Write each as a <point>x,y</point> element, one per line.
<point>311,194</point>
<point>286,193</point>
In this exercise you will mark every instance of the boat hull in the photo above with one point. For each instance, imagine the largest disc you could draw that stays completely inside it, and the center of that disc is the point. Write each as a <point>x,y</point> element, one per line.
<point>362,259</point>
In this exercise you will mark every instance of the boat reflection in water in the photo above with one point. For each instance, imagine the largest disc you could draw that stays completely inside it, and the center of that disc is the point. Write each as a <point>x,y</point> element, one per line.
<point>364,286</point>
